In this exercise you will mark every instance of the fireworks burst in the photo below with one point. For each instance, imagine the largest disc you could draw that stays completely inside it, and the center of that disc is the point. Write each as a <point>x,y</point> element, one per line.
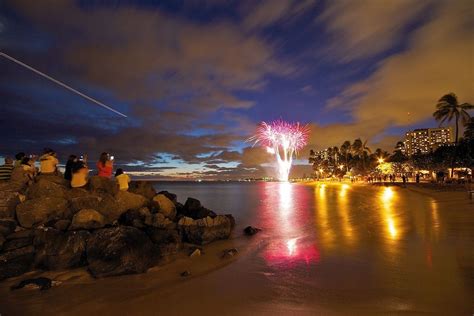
<point>283,140</point>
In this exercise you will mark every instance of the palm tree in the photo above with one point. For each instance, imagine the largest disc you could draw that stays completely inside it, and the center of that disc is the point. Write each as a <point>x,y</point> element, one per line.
<point>345,151</point>
<point>469,131</point>
<point>449,108</point>
<point>360,149</point>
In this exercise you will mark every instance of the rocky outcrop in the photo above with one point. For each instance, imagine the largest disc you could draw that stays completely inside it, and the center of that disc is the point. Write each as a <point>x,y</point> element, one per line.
<point>42,210</point>
<point>87,219</point>
<point>130,201</point>
<point>44,187</point>
<point>164,206</point>
<point>103,185</point>
<point>119,250</point>
<point>16,262</point>
<point>193,208</point>
<point>60,250</point>
<point>205,230</point>
<point>50,226</point>
<point>144,188</point>
<point>8,202</point>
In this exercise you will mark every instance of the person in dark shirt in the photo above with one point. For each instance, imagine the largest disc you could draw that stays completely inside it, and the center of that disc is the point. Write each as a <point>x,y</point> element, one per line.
<point>6,169</point>
<point>69,165</point>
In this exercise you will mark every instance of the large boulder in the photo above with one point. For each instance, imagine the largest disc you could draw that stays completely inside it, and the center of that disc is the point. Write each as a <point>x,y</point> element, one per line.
<point>173,197</point>
<point>43,187</point>
<point>103,185</point>
<point>58,179</point>
<point>42,210</point>
<point>167,241</point>
<point>7,226</point>
<point>87,219</point>
<point>164,206</point>
<point>205,230</point>
<point>130,201</point>
<point>109,207</point>
<point>89,201</point>
<point>8,202</point>
<point>137,218</point>
<point>193,208</point>
<point>119,250</point>
<point>16,262</point>
<point>17,243</point>
<point>160,221</point>
<point>60,250</point>
<point>144,188</point>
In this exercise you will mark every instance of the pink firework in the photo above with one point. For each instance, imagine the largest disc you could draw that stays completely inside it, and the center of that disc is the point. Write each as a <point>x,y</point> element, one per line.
<point>282,139</point>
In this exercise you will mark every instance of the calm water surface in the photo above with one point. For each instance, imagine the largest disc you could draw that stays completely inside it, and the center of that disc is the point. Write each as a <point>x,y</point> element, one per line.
<point>343,248</point>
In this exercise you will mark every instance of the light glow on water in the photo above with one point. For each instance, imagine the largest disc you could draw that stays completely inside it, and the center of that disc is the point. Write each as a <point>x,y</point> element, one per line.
<point>387,199</point>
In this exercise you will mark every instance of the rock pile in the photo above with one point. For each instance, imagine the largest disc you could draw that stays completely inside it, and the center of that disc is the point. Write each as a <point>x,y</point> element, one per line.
<point>50,226</point>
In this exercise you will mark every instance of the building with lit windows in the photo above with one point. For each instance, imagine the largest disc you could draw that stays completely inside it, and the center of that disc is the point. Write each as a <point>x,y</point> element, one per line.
<point>425,140</point>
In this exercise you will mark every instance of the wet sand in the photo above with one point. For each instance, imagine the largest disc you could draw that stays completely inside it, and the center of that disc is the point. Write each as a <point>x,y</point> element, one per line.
<point>412,254</point>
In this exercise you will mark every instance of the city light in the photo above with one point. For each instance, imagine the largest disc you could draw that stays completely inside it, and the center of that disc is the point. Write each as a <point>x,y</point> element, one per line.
<point>283,140</point>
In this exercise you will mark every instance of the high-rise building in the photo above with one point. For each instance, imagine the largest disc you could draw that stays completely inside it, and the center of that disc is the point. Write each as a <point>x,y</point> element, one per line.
<point>425,140</point>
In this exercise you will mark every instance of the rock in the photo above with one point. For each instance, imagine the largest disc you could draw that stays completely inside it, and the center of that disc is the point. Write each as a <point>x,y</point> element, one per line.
<point>231,219</point>
<point>185,273</point>
<point>195,253</point>
<point>40,283</point>
<point>137,218</point>
<point>46,188</point>
<point>119,250</point>
<point>17,243</point>
<point>163,236</point>
<point>160,221</point>
<point>250,231</point>
<point>8,202</point>
<point>60,250</point>
<point>89,201</point>
<point>164,206</point>
<point>53,178</point>
<point>130,201</point>
<point>144,188</point>
<point>62,224</point>
<point>42,210</point>
<point>173,197</point>
<point>16,262</point>
<point>193,208</point>
<point>25,233</point>
<point>2,241</point>
<point>87,219</point>
<point>7,226</point>
<point>109,207</point>
<point>103,185</point>
<point>205,230</point>
<point>78,192</point>
<point>229,253</point>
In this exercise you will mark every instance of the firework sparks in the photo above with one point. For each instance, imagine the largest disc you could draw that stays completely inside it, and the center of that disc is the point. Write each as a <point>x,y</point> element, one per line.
<point>283,140</point>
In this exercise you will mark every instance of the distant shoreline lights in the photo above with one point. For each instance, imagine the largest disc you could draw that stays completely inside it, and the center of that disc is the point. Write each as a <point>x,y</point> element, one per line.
<point>283,140</point>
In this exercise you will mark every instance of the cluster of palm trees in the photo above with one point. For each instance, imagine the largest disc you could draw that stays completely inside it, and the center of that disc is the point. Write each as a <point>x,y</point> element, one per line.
<point>357,157</point>
<point>337,161</point>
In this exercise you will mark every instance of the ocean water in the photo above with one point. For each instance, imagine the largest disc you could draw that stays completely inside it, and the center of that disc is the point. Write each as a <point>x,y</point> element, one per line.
<point>341,248</point>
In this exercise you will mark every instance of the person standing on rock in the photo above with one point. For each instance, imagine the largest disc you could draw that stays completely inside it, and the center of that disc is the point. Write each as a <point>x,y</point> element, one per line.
<point>80,173</point>
<point>49,162</point>
<point>122,179</point>
<point>6,169</point>
<point>105,165</point>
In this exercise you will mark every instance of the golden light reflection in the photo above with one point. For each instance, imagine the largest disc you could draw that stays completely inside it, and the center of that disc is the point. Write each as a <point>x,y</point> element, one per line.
<point>343,210</point>
<point>387,199</point>
<point>322,221</point>
<point>435,217</point>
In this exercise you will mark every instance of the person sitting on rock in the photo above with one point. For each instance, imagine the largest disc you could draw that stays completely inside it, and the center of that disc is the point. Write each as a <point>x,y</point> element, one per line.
<point>18,158</point>
<point>68,168</point>
<point>49,162</point>
<point>122,179</point>
<point>6,169</point>
<point>105,165</point>
<point>80,172</point>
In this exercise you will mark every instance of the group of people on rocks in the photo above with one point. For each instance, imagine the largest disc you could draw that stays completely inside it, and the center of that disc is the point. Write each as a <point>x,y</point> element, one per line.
<point>23,168</point>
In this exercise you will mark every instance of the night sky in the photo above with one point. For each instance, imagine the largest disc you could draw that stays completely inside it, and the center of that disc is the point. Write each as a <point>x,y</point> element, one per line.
<point>196,77</point>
